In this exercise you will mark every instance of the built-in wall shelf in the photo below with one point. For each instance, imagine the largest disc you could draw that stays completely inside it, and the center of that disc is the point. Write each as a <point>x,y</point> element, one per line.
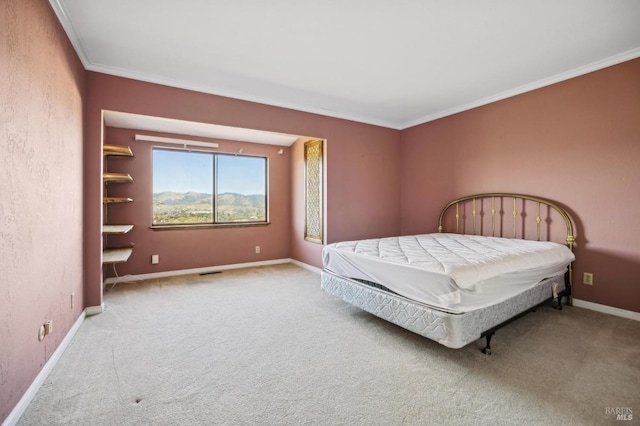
<point>112,200</point>
<point>116,229</point>
<point>109,177</point>
<point>116,151</point>
<point>116,255</point>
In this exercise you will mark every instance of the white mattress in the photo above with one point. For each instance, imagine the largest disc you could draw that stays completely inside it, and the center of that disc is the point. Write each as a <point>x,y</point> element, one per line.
<point>455,272</point>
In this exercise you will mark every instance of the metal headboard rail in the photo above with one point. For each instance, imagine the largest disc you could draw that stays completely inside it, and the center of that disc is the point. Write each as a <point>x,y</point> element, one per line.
<point>571,238</point>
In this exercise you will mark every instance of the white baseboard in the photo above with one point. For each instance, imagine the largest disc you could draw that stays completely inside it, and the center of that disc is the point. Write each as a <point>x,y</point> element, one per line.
<point>94,310</point>
<point>132,278</point>
<point>164,274</point>
<point>607,309</point>
<point>306,266</point>
<point>31,392</point>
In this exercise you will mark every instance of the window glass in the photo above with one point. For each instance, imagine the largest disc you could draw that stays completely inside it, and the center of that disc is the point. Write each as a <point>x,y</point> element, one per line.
<point>313,200</point>
<point>207,188</point>
<point>242,189</point>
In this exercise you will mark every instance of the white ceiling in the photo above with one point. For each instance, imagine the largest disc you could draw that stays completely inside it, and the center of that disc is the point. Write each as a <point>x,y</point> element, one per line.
<point>391,63</point>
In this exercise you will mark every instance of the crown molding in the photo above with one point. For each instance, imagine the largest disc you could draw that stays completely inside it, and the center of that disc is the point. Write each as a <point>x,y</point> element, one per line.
<point>576,72</point>
<point>219,91</point>
<point>81,51</point>
<point>68,27</point>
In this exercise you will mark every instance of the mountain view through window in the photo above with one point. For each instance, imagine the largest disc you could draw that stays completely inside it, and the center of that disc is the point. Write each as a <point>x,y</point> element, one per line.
<point>208,188</point>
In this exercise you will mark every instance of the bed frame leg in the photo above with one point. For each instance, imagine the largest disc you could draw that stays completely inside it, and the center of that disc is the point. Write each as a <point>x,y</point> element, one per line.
<point>558,305</point>
<point>487,349</point>
<point>490,332</point>
<point>566,292</point>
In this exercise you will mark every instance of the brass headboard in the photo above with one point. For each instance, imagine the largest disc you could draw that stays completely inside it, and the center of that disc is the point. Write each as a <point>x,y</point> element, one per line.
<point>478,220</point>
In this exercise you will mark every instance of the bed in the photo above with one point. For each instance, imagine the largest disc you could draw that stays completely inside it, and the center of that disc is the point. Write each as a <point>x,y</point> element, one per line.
<point>495,257</point>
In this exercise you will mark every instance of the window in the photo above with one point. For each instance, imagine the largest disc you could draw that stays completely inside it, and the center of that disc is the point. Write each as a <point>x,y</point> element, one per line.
<point>313,191</point>
<point>198,188</point>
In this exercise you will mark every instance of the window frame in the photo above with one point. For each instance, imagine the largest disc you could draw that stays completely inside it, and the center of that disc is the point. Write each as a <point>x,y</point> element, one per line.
<point>314,194</point>
<point>214,189</point>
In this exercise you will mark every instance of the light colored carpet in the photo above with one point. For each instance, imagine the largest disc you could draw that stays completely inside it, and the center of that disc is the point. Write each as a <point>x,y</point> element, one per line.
<point>266,346</point>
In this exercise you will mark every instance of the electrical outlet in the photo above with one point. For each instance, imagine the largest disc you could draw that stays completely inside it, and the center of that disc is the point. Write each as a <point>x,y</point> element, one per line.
<point>257,249</point>
<point>587,278</point>
<point>48,328</point>
<point>72,294</point>
<point>41,333</point>
<point>155,259</point>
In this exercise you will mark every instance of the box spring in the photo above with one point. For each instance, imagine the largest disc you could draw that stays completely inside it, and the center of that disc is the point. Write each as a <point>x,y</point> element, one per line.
<point>453,330</point>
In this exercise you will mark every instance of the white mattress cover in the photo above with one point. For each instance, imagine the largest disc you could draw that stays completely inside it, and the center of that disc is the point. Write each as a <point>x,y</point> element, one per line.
<point>456,272</point>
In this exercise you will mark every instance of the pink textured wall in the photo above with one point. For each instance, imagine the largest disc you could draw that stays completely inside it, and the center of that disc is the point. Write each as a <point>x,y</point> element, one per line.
<point>42,90</point>
<point>194,248</point>
<point>362,165</point>
<point>576,142</point>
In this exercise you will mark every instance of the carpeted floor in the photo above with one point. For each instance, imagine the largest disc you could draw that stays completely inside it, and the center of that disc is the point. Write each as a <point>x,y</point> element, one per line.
<point>266,346</point>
